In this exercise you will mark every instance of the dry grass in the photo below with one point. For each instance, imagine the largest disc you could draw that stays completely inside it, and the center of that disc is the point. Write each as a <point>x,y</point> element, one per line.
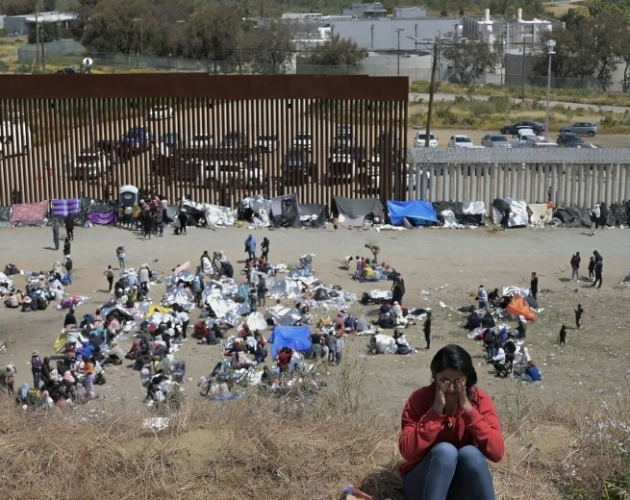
<point>266,449</point>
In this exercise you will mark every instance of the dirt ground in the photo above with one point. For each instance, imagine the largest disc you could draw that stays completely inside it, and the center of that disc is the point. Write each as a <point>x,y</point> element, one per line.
<point>447,265</point>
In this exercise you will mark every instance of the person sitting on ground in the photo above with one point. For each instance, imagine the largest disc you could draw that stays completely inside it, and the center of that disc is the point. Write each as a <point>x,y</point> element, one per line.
<point>397,313</point>
<point>284,359</point>
<point>532,373</point>
<point>521,329</point>
<point>402,344</point>
<point>499,358</point>
<point>449,431</point>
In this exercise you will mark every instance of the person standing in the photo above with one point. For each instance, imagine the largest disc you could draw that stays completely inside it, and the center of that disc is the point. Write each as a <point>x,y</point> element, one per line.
<point>599,267</point>
<point>36,368</point>
<point>109,274</point>
<point>262,291</point>
<point>182,217</point>
<point>66,247</point>
<point>591,268</point>
<point>120,255</point>
<point>250,247</point>
<point>482,297</point>
<point>264,248</point>
<point>533,286</point>
<point>449,431</point>
<point>562,336</point>
<point>339,345</point>
<point>578,316</point>
<point>68,264</point>
<point>427,330</point>
<point>505,222</point>
<point>69,227</point>
<point>575,266</point>
<point>55,231</point>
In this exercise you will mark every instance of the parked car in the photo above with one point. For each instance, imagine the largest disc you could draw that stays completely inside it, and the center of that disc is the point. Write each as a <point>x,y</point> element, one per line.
<point>495,141</point>
<point>298,168</point>
<point>137,139</point>
<point>538,142</point>
<point>267,143</point>
<point>202,141</point>
<point>521,137</point>
<point>570,140</point>
<point>512,129</point>
<point>460,141</point>
<point>235,140</point>
<point>303,141</point>
<point>160,113</point>
<point>90,164</point>
<point>581,128</point>
<point>421,140</point>
<point>221,173</point>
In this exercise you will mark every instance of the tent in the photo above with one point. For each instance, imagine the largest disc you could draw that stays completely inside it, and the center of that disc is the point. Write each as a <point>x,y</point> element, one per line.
<point>30,214</point>
<point>285,211</point>
<point>470,213</point>
<point>297,338</point>
<point>518,306</point>
<point>312,215</point>
<point>519,212</point>
<point>418,213</point>
<point>63,208</point>
<point>574,217</point>
<point>541,212</point>
<point>353,213</point>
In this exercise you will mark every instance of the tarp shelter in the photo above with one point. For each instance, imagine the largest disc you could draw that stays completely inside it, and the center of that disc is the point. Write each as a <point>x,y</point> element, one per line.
<point>63,208</point>
<point>254,205</point>
<point>519,212</point>
<point>418,213</point>
<point>99,212</point>
<point>312,215</point>
<point>458,214</point>
<point>285,211</point>
<point>5,215</point>
<point>214,215</point>
<point>518,306</point>
<point>574,216</point>
<point>541,213</point>
<point>353,213</point>
<point>30,214</point>
<point>297,338</point>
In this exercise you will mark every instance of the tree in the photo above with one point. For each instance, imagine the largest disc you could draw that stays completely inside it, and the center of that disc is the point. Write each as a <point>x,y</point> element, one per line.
<point>214,33</point>
<point>268,48</point>
<point>336,52</point>
<point>19,7</point>
<point>470,59</point>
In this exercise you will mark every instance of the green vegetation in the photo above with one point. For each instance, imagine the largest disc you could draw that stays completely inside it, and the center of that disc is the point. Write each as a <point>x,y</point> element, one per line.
<point>467,113</point>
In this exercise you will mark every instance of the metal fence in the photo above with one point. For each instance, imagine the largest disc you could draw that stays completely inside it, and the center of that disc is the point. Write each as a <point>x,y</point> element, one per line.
<point>67,136</point>
<point>566,176</point>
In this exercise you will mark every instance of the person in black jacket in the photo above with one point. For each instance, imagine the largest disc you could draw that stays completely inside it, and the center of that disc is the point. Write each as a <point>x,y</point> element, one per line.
<point>69,223</point>
<point>183,221</point>
<point>427,330</point>
<point>533,286</point>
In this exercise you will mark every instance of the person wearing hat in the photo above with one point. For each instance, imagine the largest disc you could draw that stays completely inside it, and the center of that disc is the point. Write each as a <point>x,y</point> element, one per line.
<point>36,368</point>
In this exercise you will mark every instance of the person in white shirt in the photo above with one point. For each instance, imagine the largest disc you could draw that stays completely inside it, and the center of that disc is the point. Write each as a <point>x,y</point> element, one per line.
<point>399,319</point>
<point>184,319</point>
<point>499,358</point>
<point>482,297</point>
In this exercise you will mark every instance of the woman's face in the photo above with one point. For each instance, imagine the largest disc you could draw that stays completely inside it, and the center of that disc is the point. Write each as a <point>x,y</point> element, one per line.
<point>449,378</point>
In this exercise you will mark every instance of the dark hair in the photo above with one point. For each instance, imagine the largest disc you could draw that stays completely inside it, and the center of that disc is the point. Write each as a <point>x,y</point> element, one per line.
<point>457,358</point>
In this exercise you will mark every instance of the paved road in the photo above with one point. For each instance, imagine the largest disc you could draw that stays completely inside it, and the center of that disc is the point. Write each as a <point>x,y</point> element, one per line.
<point>441,96</point>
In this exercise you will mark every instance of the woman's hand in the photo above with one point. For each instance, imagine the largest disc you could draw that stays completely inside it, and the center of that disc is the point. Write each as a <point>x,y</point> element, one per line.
<point>440,398</point>
<point>464,402</point>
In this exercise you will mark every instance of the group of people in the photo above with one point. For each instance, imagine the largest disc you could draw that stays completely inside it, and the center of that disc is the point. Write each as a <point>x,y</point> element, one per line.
<point>595,268</point>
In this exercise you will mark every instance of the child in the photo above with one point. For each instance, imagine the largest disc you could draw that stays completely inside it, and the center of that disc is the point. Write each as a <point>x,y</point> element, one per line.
<point>562,337</point>
<point>427,330</point>
<point>578,316</point>
<point>339,345</point>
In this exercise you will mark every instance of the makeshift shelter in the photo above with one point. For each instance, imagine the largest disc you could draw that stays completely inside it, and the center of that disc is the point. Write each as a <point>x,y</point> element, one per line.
<point>519,212</point>
<point>460,214</point>
<point>30,214</point>
<point>99,212</point>
<point>418,213</point>
<point>285,211</point>
<point>542,213</point>
<point>254,205</point>
<point>62,208</point>
<point>297,338</point>
<point>518,306</point>
<point>354,213</point>
<point>5,216</point>
<point>574,217</point>
<point>214,215</point>
<point>312,215</point>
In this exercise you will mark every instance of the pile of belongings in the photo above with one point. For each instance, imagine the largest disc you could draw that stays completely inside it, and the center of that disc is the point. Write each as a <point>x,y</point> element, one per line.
<point>376,297</point>
<point>6,285</point>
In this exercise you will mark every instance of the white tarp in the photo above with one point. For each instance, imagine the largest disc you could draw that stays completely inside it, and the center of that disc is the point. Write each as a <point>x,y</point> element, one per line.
<point>380,294</point>
<point>385,344</point>
<point>284,316</point>
<point>474,208</point>
<point>285,288</point>
<point>449,219</point>
<point>541,213</point>
<point>519,216</point>
<point>223,307</point>
<point>515,290</point>
<point>219,216</point>
<point>256,321</point>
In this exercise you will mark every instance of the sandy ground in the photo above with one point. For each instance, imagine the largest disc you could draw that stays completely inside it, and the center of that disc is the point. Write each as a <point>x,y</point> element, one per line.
<point>448,264</point>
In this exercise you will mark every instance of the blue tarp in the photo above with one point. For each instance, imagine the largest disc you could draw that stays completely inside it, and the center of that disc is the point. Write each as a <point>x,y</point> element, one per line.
<point>418,213</point>
<point>297,338</point>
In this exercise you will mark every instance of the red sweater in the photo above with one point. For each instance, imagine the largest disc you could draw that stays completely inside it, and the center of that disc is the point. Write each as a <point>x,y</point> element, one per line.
<point>423,428</point>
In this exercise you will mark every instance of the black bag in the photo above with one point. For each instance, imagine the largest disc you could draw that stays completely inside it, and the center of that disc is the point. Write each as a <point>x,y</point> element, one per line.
<point>320,294</point>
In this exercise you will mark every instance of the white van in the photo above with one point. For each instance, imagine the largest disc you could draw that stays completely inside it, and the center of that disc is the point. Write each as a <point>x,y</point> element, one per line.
<point>15,139</point>
<point>421,140</point>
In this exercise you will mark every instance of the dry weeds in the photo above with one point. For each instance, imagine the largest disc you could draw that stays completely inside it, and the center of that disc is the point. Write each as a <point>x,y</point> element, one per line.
<point>261,448</point>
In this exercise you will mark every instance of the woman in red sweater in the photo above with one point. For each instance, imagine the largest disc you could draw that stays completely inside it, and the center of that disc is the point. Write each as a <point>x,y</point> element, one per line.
<point>449,431</point>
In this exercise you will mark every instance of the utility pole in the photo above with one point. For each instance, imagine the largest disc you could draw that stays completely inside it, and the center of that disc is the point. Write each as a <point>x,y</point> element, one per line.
<point>398,30</point>
<point>436,51</point>
<point>523,65</point>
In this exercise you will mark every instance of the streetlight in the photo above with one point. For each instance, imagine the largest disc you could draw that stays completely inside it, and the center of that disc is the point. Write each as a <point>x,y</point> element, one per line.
<point>415,42</point>
<point>551,45</point>
<point>139,20</point>
<point>398,30</point>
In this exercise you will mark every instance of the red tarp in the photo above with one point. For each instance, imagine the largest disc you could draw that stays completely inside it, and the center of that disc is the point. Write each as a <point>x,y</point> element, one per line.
<point>30,212</point>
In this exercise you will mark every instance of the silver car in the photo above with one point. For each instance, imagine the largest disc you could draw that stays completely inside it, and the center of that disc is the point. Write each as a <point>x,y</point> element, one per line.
<point>495,141</point>
<point>581,128</point>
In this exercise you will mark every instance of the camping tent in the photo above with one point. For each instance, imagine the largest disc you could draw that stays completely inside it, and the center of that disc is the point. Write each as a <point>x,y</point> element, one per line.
<point>353,213</point>
<point>285,211</point>
<point>418,213</point>
<point>519,212</point>
<point>312,215</point>
<point>574,217</point>
<point>518,306</point>
<point>297,338</point>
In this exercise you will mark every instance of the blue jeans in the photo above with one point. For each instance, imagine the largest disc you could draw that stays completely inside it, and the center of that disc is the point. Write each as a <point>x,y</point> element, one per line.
<point>447,473</point>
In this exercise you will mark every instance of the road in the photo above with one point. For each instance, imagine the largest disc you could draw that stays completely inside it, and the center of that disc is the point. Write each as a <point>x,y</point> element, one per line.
<point>440,96</point>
